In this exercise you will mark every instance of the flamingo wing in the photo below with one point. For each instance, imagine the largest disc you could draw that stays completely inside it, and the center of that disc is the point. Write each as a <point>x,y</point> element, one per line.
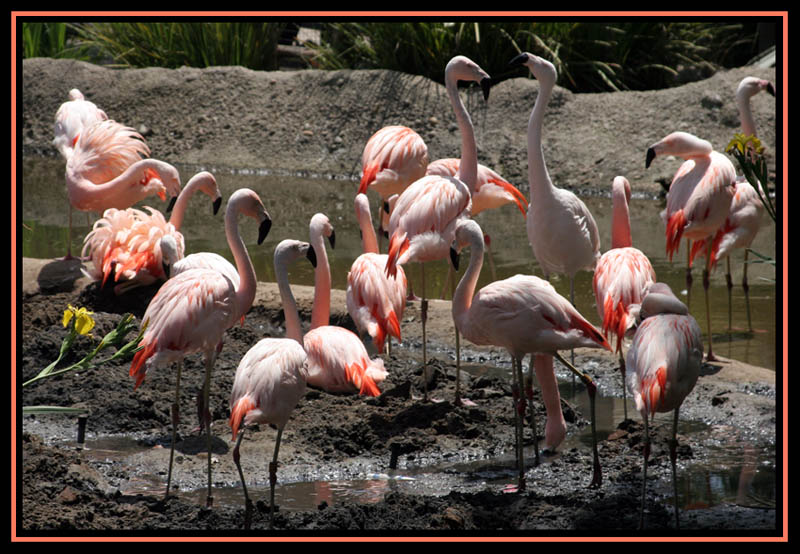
<point>338,362</point>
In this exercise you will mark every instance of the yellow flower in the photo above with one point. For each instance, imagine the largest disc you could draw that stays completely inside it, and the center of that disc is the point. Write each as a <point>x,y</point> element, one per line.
<point>83,319</point>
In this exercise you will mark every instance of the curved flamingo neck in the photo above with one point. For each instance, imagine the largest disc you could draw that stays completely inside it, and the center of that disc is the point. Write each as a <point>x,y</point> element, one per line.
<point>538,177</point>
<point>548,383</point>
<point>745,113</point>
<point>462,298</point>
<point>321,310</point>
<point>468,167</point>
<point>369,241</point>
<point>179,210</point>
<point>620,220</point>
<point>121,192</point>
<point>290,313</point>
<point>246,292</point>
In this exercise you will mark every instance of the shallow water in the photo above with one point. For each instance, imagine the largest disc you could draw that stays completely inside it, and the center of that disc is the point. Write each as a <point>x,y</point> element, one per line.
<point>292,200</point>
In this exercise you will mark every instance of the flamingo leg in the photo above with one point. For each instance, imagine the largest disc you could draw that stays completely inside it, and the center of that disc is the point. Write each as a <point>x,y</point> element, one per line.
<point>706,283</point>
<point>622,370</point>
<point>248,505</point>
<point>673,456</point>
<point>210,359</point>
<point>175,420</point>
<point>488,242</point>
<point>645,456</point>
<point>515,393</point>
<point>729,283</point>
<point>591,388</point>
<point>746,289</point>
<point>689,279</point>
<point>519,410</point>
<point>273,477</point>
<point>572,301</point>
<point>424,317</point>
<point>529,394</point>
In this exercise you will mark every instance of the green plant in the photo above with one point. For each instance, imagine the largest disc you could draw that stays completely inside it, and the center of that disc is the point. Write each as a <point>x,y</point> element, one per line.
<point>749,153</point>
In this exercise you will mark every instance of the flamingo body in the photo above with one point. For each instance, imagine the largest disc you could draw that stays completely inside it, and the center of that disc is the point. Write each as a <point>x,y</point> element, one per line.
<point>72,117</point>
<point>393,158</point>
<point>339,362</point>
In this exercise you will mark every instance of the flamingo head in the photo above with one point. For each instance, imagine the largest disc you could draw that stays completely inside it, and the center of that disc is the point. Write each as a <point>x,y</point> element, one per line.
<point>169,253</point>
<point>321,225</point>
<point>468,233</point>
<point>75,94</point>
<point>464,69</point>
<point>290,250</point>
<point>659,299</point>
<point>207,184</point>
<point>679,143</point>
<point>247,202</point>
<point>750,86</point>
<point>542,70</point>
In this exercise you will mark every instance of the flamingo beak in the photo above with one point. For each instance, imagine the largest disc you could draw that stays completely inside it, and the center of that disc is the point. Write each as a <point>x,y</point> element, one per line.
<point>651,154</point>
<point>332,239</point>
<point>171,204</point>
<point>263,229</point>
<point>312,256</point>
<point>454,258</point>
<point>217,204</point>
<point>166,268</point>
<point>519,59</point>
<point>770,89</point>
<point>486,84</point>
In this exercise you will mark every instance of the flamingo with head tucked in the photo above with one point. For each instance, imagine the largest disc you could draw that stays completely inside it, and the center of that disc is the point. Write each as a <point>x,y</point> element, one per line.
<point>665,359</point>
<point>699,198</point>
<point>72,117</point>
<point>525,315</point>
<point>271,377</point>
<point>422,224</point>
<point>191,312</point>
<point>621,276</point>
<point>129,242</point>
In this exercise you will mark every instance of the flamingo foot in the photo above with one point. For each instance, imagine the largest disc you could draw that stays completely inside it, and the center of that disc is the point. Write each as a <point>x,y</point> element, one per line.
<point>466,402</point>
<point>510,489</point>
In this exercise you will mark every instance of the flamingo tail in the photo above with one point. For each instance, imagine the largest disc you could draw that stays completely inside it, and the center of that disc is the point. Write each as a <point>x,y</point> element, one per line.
<point>675,226</point>
<point>138,367</point>
<point>397,246</point>
<point>243,405</point>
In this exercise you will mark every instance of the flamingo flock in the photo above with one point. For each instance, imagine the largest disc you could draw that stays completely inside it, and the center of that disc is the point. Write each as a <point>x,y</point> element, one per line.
<point>426,210</point>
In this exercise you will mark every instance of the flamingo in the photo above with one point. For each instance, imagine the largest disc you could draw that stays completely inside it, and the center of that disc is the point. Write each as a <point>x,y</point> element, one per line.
<point>129,241</point>
<point>374,301</point>
<point>561,230</point>
<point>422,224</point>
<point>747,210</point>
<point>271,377</point>
<point>665,359</point>
<point>524,314</point>
<point>491,192</point>
<point>699,198</point>
<point>106,170</point>
<point>622,275</point>
<point>394,157</point>
<point>72,117</point>
<point>191,312</point>
<point>337,359</point>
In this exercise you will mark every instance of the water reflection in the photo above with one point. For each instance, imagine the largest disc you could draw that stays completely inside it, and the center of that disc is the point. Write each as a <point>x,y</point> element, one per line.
<point>292,200</point>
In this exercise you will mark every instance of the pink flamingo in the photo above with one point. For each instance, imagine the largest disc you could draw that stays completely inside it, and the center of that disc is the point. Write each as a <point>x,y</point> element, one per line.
<point>106,170</point>
<point>422,224</point>
<point>129,241</point>
<point>374,301</point>
<point>72,117</point>
<point>747,210</point>
<point>561,229</point>
<point>665,358</point>
<point>621,276</point>
<point>491,192</point>
<point>191,312</point>
<point>393,158</point>
<point>271,377</point>
<point>337,359</point>
<point>524,314</point>
<point>699,198</point>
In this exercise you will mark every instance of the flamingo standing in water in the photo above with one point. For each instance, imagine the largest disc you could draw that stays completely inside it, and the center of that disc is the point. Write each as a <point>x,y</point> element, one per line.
<point>561,229</point>
<point>747,210</point>
<point>375,301</point>
<point>665,359</point>
<point>393,158</point>
<point>106,170</point>
<point>422,224</point>
<point>524,314</point>
<point>491,192</point>
<point>191,312</point>
<point>72,117</point>
<point>129,241</point>
<point>622,275</point>
<point>271,377</point>
<point>337,358</point>
<point>699,198</point>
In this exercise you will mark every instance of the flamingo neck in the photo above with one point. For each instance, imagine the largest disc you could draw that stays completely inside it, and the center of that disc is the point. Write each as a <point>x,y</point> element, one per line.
<point>548,383</point>
<point>468,167</point>
<point>290,313</point>
<point>745,114</point>
<point>120,192</point>
<point>538,177</point>
<point>462,298</point>
<point>321,310</point>
<point>369,241</point>
<point>620,221</point>
<point>246,292</point>
<point>179,209</point>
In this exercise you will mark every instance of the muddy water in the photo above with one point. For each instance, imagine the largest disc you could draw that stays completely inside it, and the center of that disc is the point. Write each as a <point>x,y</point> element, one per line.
<point>292,200</point>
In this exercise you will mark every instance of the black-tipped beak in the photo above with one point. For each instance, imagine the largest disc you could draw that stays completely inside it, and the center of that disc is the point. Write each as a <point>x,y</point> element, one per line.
<point>312,256</point>
<point>263,229</point>
<point>332,239</point>
<point>166,268</point>
<point>385,233</point>
<point>171,203</point>
<point>651,154</point>
<point>217,204</point>
<point>454,258</point>
<point>771,89</point>
<point>386,207</point>
<point>486,84</point>
<point>519,59</point>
